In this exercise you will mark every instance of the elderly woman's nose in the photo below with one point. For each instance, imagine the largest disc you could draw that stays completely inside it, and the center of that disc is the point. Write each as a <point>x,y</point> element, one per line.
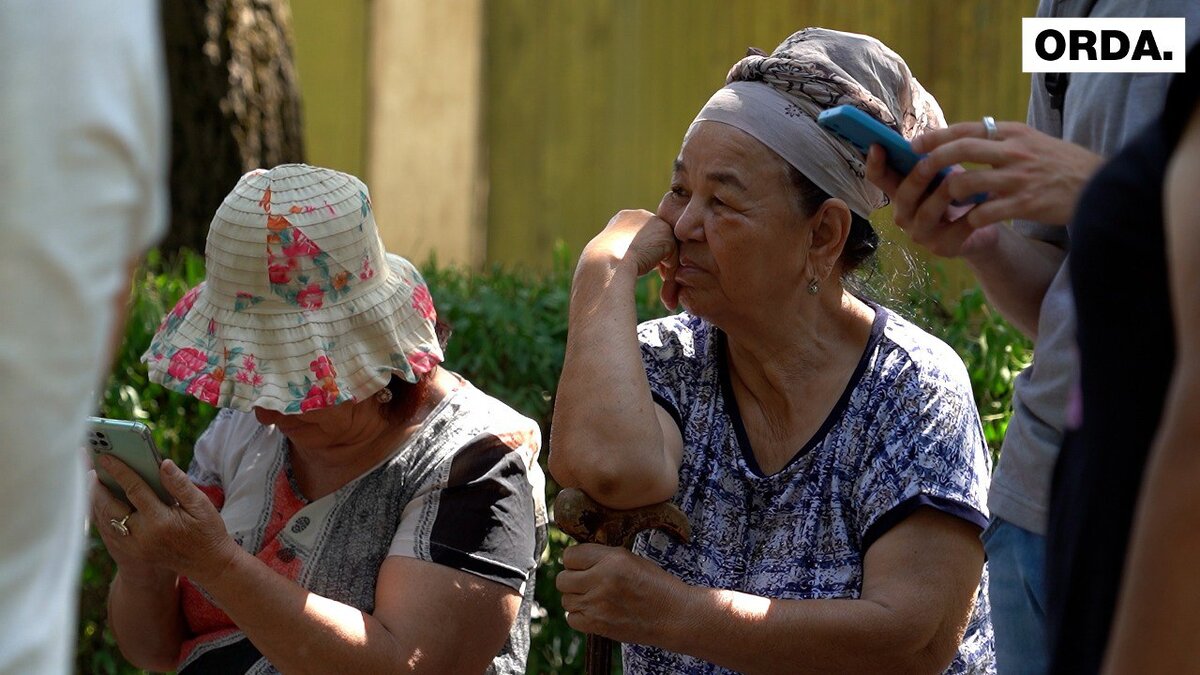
<point>689,225</point>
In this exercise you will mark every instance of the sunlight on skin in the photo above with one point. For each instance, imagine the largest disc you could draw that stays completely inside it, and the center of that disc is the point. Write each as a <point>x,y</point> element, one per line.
<point>749,607</point>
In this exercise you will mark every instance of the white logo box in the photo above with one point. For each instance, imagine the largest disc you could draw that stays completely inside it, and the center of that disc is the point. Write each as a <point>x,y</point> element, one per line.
<point>1103,45</point>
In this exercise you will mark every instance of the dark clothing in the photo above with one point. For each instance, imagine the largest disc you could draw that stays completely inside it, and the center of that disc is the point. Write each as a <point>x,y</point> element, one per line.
<point>1127,353</point>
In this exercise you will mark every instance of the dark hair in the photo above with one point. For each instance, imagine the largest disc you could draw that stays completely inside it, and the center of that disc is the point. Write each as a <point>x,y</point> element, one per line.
<point>407,397</point>
<point>862,240</point>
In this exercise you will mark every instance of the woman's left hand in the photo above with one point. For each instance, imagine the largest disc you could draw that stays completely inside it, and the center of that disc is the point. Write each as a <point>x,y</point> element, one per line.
<point>188,538</point>
<point>606,590</point>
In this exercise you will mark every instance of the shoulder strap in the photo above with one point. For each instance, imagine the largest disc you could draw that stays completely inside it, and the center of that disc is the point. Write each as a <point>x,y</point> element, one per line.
<point>1056,83</point>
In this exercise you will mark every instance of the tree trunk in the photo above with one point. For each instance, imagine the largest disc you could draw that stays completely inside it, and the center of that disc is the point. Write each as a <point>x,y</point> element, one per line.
<point>235,103</point>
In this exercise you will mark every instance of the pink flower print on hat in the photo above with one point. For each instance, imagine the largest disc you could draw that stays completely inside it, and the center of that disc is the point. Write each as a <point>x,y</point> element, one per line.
<point>422,362</point>
<point>187,362</point>
<point>207,387</point>
<point>173,318</point>
<point>280,273</point>
<point>317,398</point>
<point>423,302</point>
<point>300,246</point>
<point>186,303</point>
<point>322,367</point>
<point>247,373</point>
<point>310,297</point>
<point>250,378</point>
<point>244,300</point>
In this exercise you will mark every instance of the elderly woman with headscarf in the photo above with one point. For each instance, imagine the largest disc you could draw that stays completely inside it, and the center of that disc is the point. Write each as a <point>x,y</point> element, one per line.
<point>827,452</point>
<point>355,507</point>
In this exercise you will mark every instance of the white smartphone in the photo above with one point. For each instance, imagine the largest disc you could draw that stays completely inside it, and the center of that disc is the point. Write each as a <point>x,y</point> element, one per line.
<point>131,443</point>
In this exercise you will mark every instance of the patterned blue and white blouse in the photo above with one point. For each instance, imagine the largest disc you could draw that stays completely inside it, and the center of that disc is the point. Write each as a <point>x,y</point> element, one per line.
<point>904,434</point>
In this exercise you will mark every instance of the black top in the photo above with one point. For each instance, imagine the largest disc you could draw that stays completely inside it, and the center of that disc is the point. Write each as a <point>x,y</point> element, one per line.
<point>1127,352</point>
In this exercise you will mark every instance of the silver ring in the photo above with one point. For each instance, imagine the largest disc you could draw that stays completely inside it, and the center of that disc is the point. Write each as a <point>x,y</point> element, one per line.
<point>989,127</point>
<point>120,526</point>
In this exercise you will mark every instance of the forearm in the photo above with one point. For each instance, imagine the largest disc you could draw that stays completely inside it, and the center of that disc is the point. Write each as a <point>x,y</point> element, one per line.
<point>754,634</point>
<point>299,631</point>
<point>1015,273</point>
<point>145,617</point>
<point>606,438</point>
<point>1158,599</point>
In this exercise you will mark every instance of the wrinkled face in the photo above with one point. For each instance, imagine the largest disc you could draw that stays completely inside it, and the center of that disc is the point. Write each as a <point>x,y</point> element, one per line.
<point>742,236</point>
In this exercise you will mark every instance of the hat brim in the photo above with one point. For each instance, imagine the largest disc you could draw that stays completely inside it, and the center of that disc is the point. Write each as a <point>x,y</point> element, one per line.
<point>298,360</point>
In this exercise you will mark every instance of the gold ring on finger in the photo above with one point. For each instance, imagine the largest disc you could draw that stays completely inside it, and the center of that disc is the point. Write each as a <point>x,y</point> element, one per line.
<point>119,525</point>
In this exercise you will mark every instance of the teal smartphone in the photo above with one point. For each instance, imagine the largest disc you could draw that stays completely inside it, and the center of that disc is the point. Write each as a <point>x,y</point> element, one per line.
<point>862,131</point>
<point>132,443</point>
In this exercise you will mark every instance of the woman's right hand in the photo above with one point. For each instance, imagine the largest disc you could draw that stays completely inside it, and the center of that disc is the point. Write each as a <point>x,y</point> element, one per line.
<point>106,508</point>
<point>187,538</point>
<point>643,241</point>
<point>921,212</point>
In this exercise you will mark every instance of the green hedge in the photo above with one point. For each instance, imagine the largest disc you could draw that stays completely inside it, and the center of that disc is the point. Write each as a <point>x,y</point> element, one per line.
<point>509,335</point>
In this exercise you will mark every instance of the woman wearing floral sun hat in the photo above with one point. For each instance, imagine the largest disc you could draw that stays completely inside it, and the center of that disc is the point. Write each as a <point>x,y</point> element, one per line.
<point>355,507</point>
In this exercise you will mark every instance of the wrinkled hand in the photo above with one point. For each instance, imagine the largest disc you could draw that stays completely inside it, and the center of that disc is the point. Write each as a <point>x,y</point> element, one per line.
<point>922,213</point>
<point>606,590</point>
<point>188,538</point>
<point>1033,175</point>
<point>645,241</point>
<point>1030,175</point>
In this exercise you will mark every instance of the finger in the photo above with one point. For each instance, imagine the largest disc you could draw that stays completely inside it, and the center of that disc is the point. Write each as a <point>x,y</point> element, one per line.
<point>973,151</point>
<point>929,220</point>
<point>571,582</point>
<point>929,140</point>
<point>585,556</point>
<point>669,294</point>
<point>104,504</point>
<point>136,490</point>
<point>571,602</point>
<point>179,486</point>
<point>910,195</point>
<point>580,622</point>
<point>966,183</point>
<point>981,239</point>
<point>995,211</point>
<point>879,173</point>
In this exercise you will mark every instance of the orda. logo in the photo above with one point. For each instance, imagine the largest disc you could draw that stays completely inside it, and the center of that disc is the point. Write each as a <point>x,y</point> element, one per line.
<point>1103,45</point>
<point>1051,45</point>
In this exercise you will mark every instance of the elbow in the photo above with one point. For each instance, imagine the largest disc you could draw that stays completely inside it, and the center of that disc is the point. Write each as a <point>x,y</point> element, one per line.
<point>615,479</point>
<point>625,490</point>
<point>930,656</point>
<point>910,650</point>
<point>617,487</point>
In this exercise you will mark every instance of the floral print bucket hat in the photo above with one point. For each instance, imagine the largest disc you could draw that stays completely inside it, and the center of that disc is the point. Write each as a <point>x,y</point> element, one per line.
<point>301,307</point>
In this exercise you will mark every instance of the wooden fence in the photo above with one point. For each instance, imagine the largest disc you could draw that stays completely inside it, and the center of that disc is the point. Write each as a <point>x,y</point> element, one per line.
<point>586,100</point>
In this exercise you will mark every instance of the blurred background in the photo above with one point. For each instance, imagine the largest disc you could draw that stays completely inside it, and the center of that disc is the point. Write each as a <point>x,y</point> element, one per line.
<point>488,130</point>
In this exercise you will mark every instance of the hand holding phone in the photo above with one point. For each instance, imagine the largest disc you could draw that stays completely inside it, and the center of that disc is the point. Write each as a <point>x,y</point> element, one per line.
<point>862,131</point>
<point>132,443</point>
